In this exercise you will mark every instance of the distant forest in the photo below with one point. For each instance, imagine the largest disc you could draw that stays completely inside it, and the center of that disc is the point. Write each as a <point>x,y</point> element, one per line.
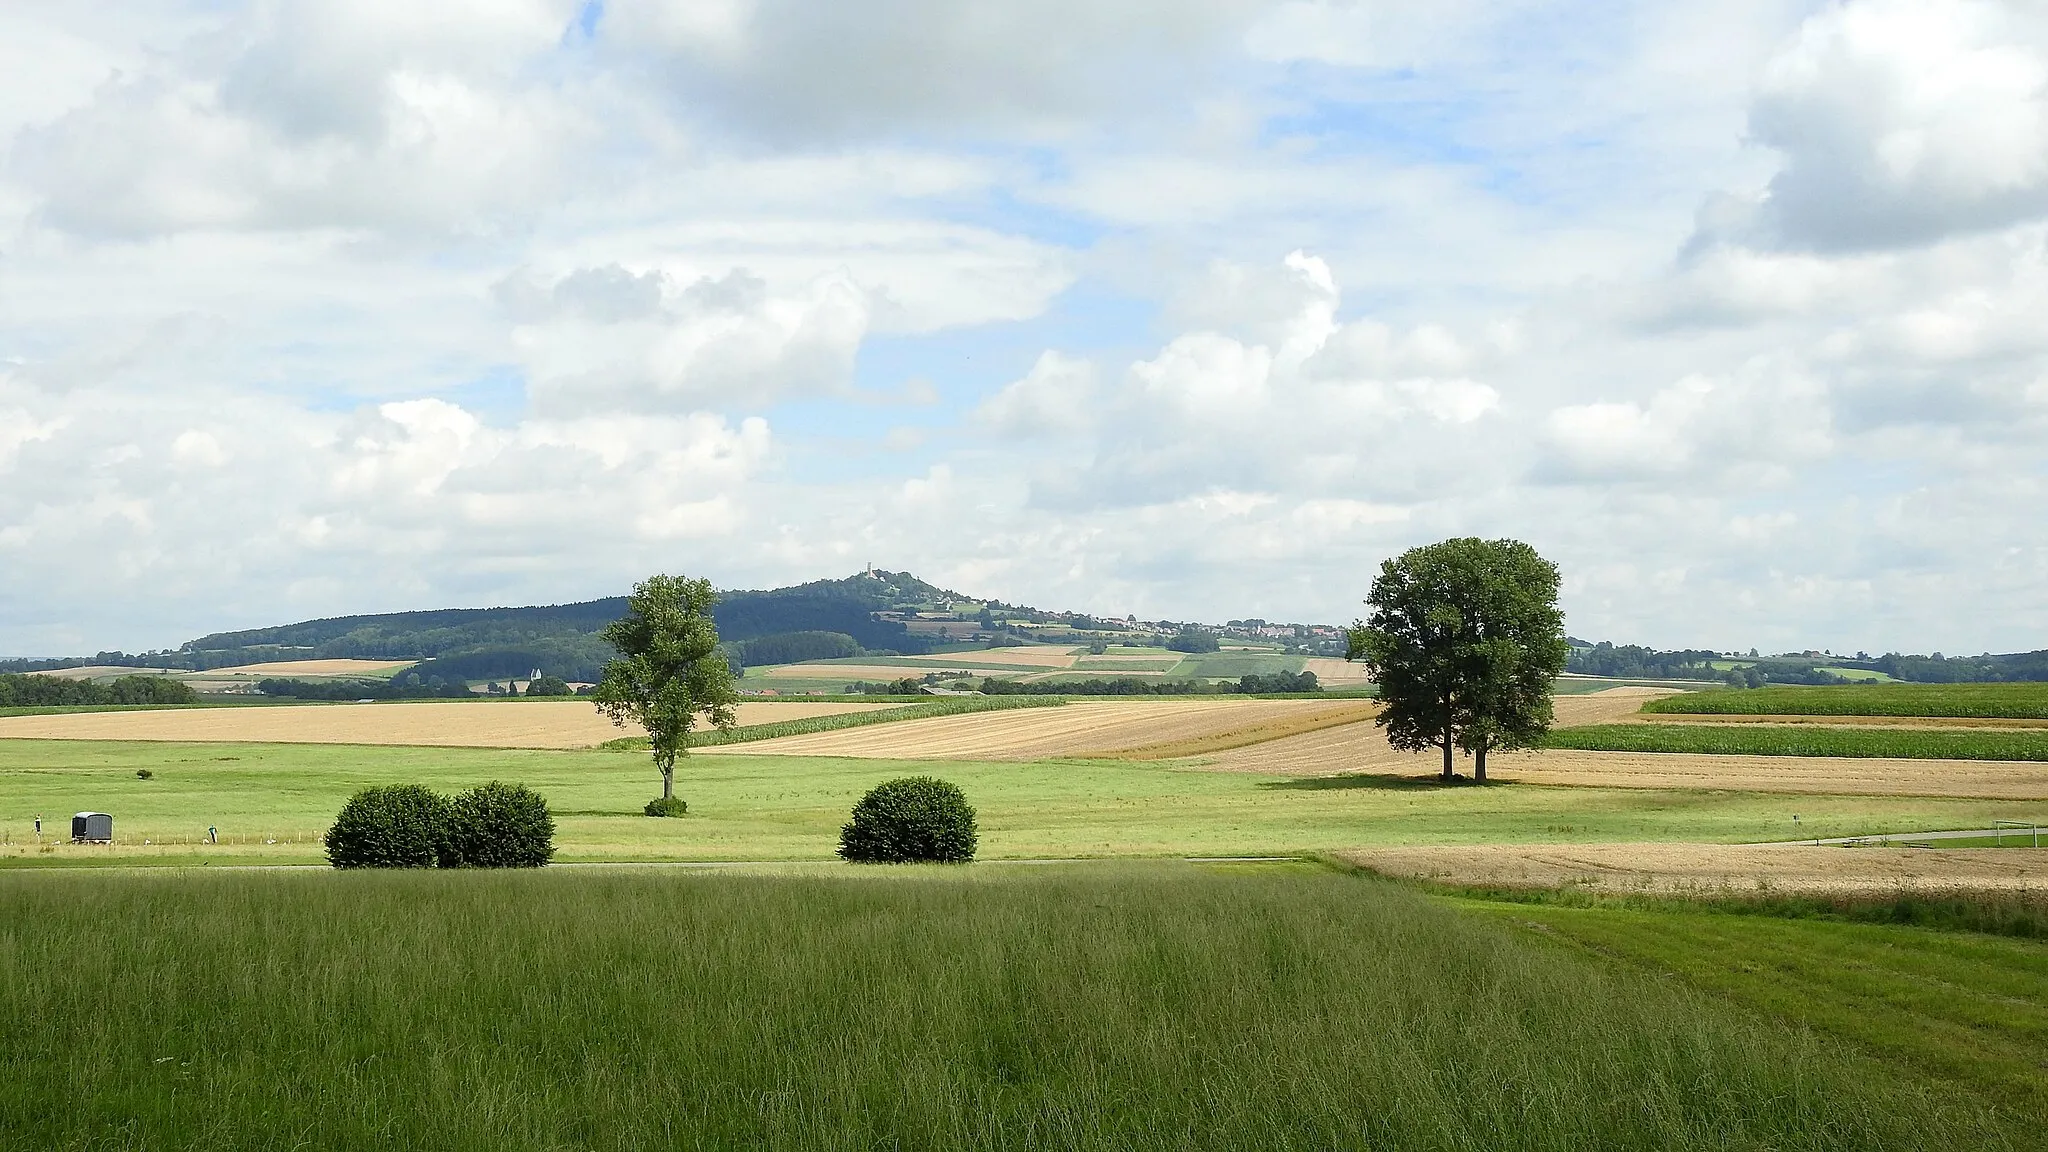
<point>1631,661</point>
<point>18,690</point>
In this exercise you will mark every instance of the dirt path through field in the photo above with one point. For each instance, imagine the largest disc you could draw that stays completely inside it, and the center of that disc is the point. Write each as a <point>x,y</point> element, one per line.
<point>1696,868</point>
<point>457,724</point>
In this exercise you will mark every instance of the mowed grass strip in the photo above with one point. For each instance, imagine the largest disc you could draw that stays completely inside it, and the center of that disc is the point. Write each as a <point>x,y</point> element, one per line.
<point>1134,1007</point>
<point>2019,701</point>
<point>939,706</point>
<point>1968,1007</point>
<point>1790,740</point>
<point>1275,729</point>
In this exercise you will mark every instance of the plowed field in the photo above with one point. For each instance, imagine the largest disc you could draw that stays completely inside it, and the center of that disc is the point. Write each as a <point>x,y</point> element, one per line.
<point>1713,867</point>
<point>1081,727</point>
<point>484,724</point>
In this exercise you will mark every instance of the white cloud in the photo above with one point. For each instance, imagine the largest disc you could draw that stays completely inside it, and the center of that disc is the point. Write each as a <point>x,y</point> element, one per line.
<point>1902,121</point>
<point>1754,424</point>
<point>326,307</point>
<point>789,70</point>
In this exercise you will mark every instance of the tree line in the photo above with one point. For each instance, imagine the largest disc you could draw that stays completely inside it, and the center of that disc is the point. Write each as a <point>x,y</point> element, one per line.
<point>26,690</point>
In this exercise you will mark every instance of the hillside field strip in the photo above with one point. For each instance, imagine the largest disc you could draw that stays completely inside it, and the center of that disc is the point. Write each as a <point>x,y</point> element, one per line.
<point>1333,673</point>
<point>1089,727</point>
<point>1712,868</point>
<point>456,724</point>
<point>2015,701</point>
<point>106,672</point>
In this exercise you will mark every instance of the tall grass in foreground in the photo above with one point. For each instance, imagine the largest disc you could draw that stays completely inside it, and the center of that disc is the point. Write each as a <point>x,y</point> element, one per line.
<point>1146,1007</point>
<point>1788,740</point>
<point>2018,701</point>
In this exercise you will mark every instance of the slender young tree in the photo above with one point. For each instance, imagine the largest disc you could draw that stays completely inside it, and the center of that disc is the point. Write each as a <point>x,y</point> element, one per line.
<point>1464,640</point>
<point>669,669</point>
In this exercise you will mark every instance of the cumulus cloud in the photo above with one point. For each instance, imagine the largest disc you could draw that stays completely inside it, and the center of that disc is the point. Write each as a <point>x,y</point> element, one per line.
<point>1765,419</point>
<point>375,115</point>
<point>1900,122</point>
<point>793,71</point>
<point>323,307</point>
<point>1294,401</point>
<point>614,340</point>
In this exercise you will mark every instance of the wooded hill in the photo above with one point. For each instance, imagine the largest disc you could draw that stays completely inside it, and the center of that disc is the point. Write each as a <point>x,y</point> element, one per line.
<point>821,619</point>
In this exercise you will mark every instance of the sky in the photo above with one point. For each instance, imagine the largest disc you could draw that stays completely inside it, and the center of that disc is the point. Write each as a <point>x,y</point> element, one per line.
<point>1193,309</point>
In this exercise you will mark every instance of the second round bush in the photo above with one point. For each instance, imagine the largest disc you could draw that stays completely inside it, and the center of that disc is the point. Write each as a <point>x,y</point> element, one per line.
<point>914,819</point>
<point>499,826</point>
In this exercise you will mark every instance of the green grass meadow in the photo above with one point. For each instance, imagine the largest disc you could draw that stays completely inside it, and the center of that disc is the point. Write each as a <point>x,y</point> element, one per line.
<point>2017,701</point>
<point>1962,1006</point>
<point>1805,740</point>
<point>1132,1006</point>
<point>790,808</point>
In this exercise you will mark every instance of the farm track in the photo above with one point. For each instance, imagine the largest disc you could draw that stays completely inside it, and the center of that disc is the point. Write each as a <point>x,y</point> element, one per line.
<point>1696,869</point>
<point>484,724</point>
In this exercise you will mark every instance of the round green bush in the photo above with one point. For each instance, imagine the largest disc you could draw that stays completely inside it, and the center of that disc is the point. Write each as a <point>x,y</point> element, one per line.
<point>396,826</point>
<point>667,806</point>
<point>499,826</point>
<point>916,818</point>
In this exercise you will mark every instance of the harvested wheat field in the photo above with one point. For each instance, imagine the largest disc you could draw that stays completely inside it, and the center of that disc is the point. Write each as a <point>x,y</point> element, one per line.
<point>1332,673</point>
<point>1362,747</point>
<point>1047,657</point>
<point>843,673</point>
<point>1090,727</point>
<point>1698,868</point>
<point>484,724</point>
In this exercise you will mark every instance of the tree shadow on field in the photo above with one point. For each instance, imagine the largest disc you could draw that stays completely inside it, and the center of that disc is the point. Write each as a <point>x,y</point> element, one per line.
<point>1429,783</point>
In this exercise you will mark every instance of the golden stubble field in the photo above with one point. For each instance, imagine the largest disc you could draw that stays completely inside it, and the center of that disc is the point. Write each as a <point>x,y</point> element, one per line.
<point>1362,748</point>
<point>1708,868</point>
<point>457,724</point>
<point>1079,728</point>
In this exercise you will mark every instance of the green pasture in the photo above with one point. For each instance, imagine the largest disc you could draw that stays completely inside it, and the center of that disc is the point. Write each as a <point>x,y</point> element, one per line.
<point>1231,665</point>
<point>1961,1006</point>
<point>2018,701</point>
<point>1806,740</point>
<point>1859,674</point>
<point>1580,685</point>
<point>1125,1006</point>
<point>790,808</point>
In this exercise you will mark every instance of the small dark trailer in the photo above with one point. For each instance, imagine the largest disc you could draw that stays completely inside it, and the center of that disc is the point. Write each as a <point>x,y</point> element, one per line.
<point>92,828</point>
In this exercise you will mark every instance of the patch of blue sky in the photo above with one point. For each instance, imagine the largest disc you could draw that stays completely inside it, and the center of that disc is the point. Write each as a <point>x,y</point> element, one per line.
<point>582,27</point>
<point>497,396</point>
<point>932,383</point>
<point>1000,208</point>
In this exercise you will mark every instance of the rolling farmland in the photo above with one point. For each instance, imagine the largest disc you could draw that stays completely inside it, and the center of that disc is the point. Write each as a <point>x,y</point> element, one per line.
<point>1719,868</point>
<point>2001,700</point>
<point>1082,727</point>
<point>457,724</point>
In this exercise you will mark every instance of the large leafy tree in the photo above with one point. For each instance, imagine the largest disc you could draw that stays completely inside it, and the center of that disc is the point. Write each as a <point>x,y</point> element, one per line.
<point>669,670</point>
<point>1464,640</point>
